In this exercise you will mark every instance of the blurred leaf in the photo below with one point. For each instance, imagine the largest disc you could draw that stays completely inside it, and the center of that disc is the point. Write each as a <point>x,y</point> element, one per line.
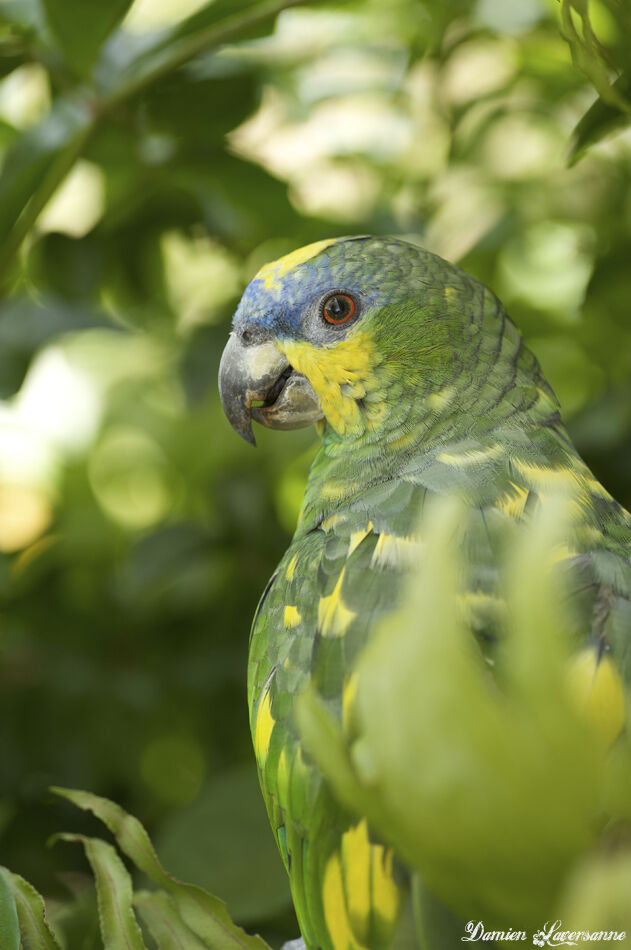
<point>224,842</point>
<point>26,325</point>
<point>27,15</point>
<point>597,895</point>
<point>167,928</point>
<point>448,789</point>
<point>589,54</point>
<point>204,914</point>
<point>35,166</point>
<point>9,929</point>
<point>216,23</point>
<point>119,927</point>
<point>200,364</point>
<point>81,28</point>
<point>601,119</point>
<point>34,928</point>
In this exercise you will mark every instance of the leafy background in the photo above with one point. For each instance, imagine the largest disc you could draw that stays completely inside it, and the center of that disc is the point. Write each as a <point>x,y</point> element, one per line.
<point>154,155</point>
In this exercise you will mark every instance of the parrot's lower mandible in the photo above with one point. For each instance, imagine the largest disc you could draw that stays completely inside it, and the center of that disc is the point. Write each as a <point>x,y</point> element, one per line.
<point>419,385</point>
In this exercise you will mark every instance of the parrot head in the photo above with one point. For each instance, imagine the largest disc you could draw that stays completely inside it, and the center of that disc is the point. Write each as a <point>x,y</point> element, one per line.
<point>352,333</point>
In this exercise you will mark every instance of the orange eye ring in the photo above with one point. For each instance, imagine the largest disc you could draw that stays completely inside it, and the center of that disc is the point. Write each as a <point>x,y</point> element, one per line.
<point>338,309</point>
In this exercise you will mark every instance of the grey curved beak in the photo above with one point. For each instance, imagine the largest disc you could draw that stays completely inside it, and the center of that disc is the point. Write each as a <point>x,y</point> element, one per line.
<point>256,382</point>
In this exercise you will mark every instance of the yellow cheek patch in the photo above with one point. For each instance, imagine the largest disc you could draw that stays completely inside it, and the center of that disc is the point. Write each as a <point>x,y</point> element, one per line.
<point>597,690</point>
<point>291,617</point>
<point>271,274</point>
<point>264,728</point>
<point>340,375</point>
<point>334,617</point>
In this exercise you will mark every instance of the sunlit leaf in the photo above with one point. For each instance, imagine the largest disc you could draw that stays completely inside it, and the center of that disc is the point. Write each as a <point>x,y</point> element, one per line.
<point>35,165</point>
<point>601,119</point>
<point>160,913</point>
<point>81,28</point>
<point>205,914</point>
<point>35,930</point>
<point>119,927</point>
<point>9,928</point>
<point>222,840</point>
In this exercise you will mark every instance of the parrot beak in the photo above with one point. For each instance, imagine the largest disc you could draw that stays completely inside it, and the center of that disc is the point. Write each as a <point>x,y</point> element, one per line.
<point>256,382</point>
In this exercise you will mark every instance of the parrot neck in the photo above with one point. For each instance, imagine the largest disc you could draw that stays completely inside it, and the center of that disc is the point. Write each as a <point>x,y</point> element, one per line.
<point>483,408</point>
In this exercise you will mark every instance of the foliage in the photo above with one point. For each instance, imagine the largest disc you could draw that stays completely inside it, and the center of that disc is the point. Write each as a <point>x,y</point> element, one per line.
<point>153,156</point>
<point>177,915</point>
<point>496,789</point>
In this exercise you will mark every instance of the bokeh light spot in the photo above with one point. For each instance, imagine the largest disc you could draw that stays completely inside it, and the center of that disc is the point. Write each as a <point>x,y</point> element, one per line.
<point>25,513</point>
<point>173,766</point>
<point>128,474</point>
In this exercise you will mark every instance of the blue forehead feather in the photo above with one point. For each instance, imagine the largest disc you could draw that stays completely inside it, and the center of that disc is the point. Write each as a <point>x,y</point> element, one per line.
<point>279,305</point>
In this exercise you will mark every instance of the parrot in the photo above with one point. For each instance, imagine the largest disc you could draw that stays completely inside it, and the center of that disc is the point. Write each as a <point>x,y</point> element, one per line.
<point>419,386</point>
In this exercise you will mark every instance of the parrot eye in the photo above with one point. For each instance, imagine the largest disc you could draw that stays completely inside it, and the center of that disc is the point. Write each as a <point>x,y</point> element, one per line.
<point>339,308</point>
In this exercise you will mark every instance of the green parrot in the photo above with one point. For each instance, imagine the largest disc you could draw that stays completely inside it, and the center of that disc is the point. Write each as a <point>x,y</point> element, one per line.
<point>419,385</point>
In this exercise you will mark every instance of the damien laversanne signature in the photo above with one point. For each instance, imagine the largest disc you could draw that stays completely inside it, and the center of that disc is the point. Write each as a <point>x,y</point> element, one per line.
<point>552,934</point>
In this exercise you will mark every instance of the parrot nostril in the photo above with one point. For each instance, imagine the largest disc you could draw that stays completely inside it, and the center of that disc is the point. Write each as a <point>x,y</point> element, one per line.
<point>246,336</point>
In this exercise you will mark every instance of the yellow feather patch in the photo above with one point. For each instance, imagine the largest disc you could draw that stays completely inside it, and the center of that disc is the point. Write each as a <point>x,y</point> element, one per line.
<point>272,273</point>
<point>340,374</point>
<point>356,855</point>
<point>334,617</point>
<point>394,552</point>
<point>597,690</point>
<point>385,893</point>
<point>282,779</point>
<point>335,491</point>
<point>335,914</point>
<point>562,480</point>
<point>441,399</point>
<point>512,504</point>
<point>291,567</point>
<point>264,727</point>
<point>291,616</point>
<point>329,523</point>
<point>405,440</point>
<point>470,456</point>
<point>357,537</point>
<point>561,552</point>
<point>545,476</point>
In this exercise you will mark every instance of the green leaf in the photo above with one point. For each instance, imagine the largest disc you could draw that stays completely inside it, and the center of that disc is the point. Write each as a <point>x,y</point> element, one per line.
<point>224,842</point>
<point>34,167</point>
<point>26,325</point>
<point>215,24</point>
<point>9,929</point>
<point>160,914</point>
<point>31,910</point>
<point>81,28</point>
<point>597,894</point>
<point>601,119</point>
<point>119,927</point>
<point>205,914</point>
<point>588,53</point>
